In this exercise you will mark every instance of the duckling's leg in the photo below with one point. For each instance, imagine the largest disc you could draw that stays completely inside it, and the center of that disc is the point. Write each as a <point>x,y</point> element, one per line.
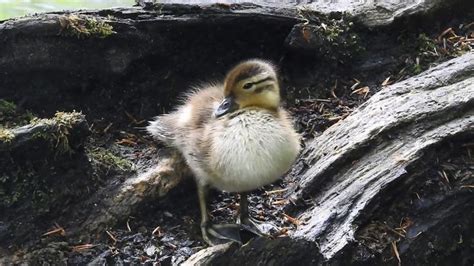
<point>244,209</point>
<point>202,193</point>
<point>215,234</point>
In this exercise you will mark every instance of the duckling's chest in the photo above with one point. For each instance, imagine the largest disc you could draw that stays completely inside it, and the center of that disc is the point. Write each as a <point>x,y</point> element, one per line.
<point>251,150</point>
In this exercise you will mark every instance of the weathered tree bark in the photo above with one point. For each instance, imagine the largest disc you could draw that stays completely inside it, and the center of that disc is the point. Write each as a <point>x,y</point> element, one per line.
<point>354,163</point>
<point>369,13</point>
<point>118,202</point>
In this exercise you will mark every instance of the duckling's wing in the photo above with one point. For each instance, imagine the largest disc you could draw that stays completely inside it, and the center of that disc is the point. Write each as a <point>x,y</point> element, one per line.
<point>184,127</point>
<point>161,128</point>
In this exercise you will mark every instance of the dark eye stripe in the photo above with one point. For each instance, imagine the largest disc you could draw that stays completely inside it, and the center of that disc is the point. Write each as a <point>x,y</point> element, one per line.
<point>259,90</point>
<point>249,84</point>
<point>263,80</point>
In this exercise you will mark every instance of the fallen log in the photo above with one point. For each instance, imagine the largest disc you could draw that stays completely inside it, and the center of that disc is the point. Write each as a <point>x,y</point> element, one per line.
<point>63,133</point>
<point>355,161</point>
<point>369,13</point>
<point>118,202</point>
<point>39,145</point>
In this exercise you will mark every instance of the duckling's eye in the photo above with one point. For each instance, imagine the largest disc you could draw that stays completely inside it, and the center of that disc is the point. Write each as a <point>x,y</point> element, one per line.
<point>247,86</point>
<point>226,104</point>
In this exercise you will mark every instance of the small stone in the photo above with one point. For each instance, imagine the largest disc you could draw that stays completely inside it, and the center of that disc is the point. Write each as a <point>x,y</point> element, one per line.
<point>150,250</point>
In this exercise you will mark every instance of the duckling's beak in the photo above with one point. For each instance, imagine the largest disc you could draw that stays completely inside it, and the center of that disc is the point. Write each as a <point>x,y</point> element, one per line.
<point>228,105</point>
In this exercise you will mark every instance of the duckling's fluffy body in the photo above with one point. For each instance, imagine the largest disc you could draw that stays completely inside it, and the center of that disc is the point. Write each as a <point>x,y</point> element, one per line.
<point>241,151</point>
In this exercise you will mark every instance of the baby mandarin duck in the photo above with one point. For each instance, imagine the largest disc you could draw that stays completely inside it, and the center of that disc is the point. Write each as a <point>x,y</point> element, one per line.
<point>234,136</point>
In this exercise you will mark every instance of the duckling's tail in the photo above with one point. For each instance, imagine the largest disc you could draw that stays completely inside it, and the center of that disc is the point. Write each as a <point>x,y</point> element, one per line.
<point>160,130</point>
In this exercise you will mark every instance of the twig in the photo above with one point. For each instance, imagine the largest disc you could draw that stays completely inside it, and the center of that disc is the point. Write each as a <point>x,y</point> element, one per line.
<point>280,202</point>
<point>58,230</point>
<point>157,230</point>
<point>292,219</point>
<point>111,236</point>
<point>107,127</point>
<point>395,250</point>
<point>276,191</point>
<point>333,89</point>
<point>128,225</point>
<point>83,247</point>
<point>386,81</point>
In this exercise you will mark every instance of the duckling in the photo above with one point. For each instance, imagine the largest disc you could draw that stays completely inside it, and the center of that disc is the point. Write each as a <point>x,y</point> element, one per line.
<point>234,136</point>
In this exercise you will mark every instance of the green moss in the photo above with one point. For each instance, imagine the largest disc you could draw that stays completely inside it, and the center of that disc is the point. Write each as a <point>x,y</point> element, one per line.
<point>104,159</point>
<point>6,135</point>
<point>6,108</point>
<point>16,183</point>
<point>334,36</point>
<point>10,116</point>
<point>62,122</point>
<point>84,27</point>
<point>425,53</point>
<point>425,44</point>
<point>426,49</point>
<point>67,118</point>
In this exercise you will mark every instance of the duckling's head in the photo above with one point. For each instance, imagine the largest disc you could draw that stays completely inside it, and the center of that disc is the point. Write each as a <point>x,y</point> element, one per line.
<point>252,83</point>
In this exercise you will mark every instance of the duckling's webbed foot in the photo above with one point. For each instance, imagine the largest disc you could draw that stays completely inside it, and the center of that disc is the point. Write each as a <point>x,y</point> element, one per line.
<point>215,234</point>
<point>250,224</point>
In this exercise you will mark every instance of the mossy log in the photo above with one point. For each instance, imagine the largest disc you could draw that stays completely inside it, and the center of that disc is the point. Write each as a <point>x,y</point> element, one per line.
<point>63,133</point>
<point>359,170</point>
<point>115,203</point>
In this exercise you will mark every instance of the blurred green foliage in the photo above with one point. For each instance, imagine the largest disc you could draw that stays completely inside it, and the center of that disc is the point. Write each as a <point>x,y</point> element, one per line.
<point>18,8</point>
